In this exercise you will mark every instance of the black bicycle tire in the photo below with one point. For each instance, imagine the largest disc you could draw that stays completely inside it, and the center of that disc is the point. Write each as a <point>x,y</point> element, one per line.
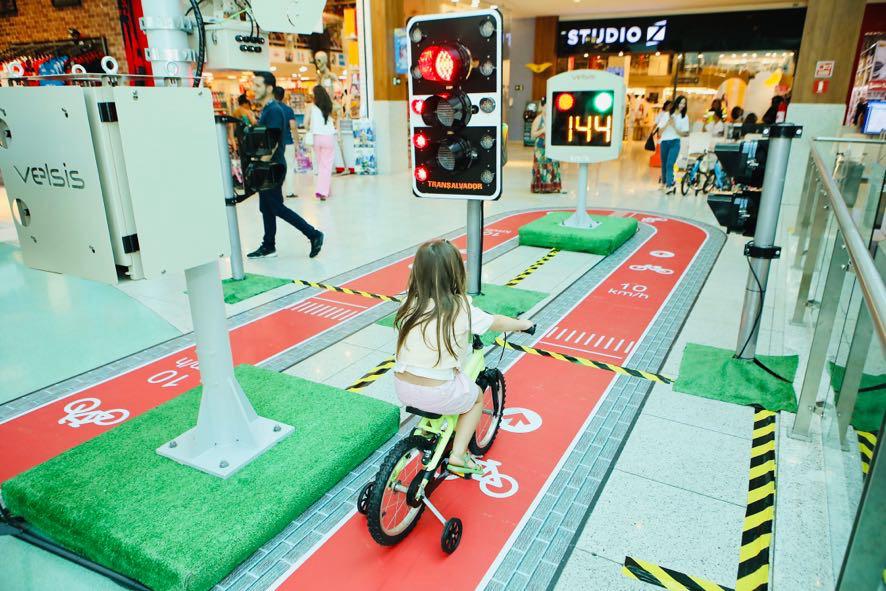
<point>708,184</point>
<point>498,378</point>
<point>373,516</point>
<point>684,184</point>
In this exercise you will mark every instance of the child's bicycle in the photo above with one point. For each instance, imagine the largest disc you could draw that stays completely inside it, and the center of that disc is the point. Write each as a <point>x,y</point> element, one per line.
<point>395,499</point>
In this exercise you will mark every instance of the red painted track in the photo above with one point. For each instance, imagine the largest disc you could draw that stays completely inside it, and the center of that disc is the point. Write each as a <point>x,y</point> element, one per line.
<point>606,324</point>
<point>36,436</point>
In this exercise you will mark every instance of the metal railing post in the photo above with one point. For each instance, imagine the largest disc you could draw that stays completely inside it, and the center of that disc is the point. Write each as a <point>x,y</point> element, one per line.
<point>821,340</point>
<point>816,240</point>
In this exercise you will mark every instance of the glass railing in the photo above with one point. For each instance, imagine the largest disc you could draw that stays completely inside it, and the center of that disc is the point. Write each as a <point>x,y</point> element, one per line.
<point>841,296</point>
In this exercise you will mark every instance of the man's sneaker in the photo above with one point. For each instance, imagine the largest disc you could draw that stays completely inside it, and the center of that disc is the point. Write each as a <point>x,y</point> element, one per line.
<point>316,245</point>
<point>262,253</point>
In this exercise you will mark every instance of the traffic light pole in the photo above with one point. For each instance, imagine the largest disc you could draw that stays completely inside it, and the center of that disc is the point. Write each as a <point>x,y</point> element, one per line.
<point>475,245</point>
<point>762,249</point>
<point>581,219</point>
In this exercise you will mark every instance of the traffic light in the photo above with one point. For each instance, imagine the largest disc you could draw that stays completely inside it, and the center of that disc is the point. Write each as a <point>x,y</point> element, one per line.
<point>455,104</point>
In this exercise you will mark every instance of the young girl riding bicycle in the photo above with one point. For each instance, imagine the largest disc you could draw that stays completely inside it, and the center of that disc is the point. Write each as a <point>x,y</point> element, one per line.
<point>435,325</point>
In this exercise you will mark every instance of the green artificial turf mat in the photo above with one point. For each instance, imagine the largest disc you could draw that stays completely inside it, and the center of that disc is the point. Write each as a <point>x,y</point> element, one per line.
<point>251,285</point>
<point>118,503</point>
<point>714,373</point>
<point>548,231</point>
<point>871,401</point>
<point>495,299</point>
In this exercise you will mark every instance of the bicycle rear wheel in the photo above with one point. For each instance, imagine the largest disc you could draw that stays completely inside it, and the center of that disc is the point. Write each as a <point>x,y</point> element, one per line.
<point>493,383</point>
<point>390,515</point>
<point>686,183</point>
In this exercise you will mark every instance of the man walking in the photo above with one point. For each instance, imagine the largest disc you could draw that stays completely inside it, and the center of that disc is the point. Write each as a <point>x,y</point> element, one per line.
<point>290,137</point>
<point>271,201</point>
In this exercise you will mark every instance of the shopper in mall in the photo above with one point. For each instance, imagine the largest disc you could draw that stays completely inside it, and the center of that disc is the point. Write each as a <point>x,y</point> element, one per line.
<point>671,124</point>
<point>771,113</point>
<point>321,126</point>
<point>545,172</point>
<point>290,138</point>
<point>715,125</point>
<point>271,201</point>
<point>244,111</point>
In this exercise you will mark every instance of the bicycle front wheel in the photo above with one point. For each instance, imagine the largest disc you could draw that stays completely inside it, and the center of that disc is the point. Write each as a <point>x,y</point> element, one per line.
<point>493,383</point>
<point>391,515</point>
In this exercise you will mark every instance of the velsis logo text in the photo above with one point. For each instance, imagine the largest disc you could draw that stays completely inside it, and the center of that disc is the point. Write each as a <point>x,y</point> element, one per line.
<point>655,34</point>
<point>46,175</point>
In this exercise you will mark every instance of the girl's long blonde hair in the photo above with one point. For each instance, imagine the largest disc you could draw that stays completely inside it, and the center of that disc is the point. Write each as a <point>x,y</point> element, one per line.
<point>438,278</point>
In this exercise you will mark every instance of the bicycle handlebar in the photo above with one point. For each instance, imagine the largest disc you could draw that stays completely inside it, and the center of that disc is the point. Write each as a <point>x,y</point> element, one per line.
<point>530,330</point>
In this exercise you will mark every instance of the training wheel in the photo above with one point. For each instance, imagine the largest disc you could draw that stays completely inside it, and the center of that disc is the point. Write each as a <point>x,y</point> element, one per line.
<point>363,499</point>
<point>451,537</point>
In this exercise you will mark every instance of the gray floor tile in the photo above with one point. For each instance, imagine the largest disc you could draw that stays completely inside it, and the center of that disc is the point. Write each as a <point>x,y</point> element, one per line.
<point>688,457</point>
<point>724,417</point>
<point>675,528</point>
<point>587,572</point>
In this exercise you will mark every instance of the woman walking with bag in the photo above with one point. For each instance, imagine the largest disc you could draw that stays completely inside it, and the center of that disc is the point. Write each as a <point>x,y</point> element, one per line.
<point>671,124</point>
<point>321,135</point>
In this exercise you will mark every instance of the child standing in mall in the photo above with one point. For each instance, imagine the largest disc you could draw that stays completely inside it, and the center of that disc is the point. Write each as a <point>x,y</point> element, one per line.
<point>435,325</point>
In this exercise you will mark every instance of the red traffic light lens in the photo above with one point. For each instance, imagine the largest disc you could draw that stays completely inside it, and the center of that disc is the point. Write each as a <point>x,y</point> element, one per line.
<point>421,174</point>
<point>565,102</point>
<point>418,106</point>
<point>420,141</point>
<point>444,63</point>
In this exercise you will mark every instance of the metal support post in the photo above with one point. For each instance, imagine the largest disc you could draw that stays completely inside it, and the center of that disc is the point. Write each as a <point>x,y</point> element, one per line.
<point>821,339</point>
<point>855,362</point>
<point>224,155</point>
<point>229,434</point>
<point>816,241</point>
<point>804,212</point>
<point>475,245</point>
<point>780,137</point>
<point>581,219</point>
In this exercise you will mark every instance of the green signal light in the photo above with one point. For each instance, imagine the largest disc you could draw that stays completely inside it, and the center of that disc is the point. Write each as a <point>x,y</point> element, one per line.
<point>603,102</point>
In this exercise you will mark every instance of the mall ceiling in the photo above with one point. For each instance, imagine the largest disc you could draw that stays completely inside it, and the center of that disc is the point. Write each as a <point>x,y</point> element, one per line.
<point>614,8</point>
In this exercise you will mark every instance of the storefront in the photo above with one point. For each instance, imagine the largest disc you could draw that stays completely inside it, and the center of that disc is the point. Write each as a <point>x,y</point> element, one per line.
<point>741,58</point>
<point>329,57</point>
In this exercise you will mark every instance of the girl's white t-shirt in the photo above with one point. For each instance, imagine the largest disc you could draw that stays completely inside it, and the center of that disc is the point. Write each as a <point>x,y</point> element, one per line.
<point>418,355</point>
<point>681,123</point>
<point>318,127</point>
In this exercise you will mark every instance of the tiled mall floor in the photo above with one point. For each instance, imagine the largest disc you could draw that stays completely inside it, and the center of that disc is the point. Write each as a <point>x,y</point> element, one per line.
<point>676,496</point>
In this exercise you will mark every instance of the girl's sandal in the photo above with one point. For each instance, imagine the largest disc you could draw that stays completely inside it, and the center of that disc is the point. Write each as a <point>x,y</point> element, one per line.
<point>466,469</point>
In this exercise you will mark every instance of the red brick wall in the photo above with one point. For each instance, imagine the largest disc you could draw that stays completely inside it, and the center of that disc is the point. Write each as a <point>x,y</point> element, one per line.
<point>38,20</point>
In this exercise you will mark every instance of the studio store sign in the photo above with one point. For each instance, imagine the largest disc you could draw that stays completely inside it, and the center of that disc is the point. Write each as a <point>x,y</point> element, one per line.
<point>722,31</point>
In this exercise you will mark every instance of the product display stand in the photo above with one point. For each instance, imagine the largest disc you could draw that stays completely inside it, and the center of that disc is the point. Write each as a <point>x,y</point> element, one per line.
<point>475,245</point>
<point>229,433</point>
<point>761,250</point>
<point>581,219</point>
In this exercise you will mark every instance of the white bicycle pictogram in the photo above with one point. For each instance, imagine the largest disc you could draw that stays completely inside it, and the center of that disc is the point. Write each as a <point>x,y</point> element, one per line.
<point>86,411</point>
<point>653,268</point>
<point>652,220</point>
<point>493,483</point>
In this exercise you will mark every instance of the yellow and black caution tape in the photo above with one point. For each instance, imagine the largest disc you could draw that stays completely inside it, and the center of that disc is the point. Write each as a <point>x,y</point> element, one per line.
<point>756,536</point>
<point>375,373</point>
<point>866,444</point>
<point>625,371</point>
<point>667,578</point>
<point>348,290</point>
<point>533,267</point>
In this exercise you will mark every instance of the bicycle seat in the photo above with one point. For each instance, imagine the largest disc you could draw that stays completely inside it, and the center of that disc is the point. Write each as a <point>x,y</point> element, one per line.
<point>421,413</point>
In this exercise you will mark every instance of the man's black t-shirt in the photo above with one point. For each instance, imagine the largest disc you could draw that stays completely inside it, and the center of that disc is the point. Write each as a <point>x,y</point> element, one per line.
<point>274,117</point>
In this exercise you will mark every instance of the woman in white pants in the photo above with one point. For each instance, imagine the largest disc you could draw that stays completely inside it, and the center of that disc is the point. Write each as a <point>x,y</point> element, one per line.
<point>322,129</point>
